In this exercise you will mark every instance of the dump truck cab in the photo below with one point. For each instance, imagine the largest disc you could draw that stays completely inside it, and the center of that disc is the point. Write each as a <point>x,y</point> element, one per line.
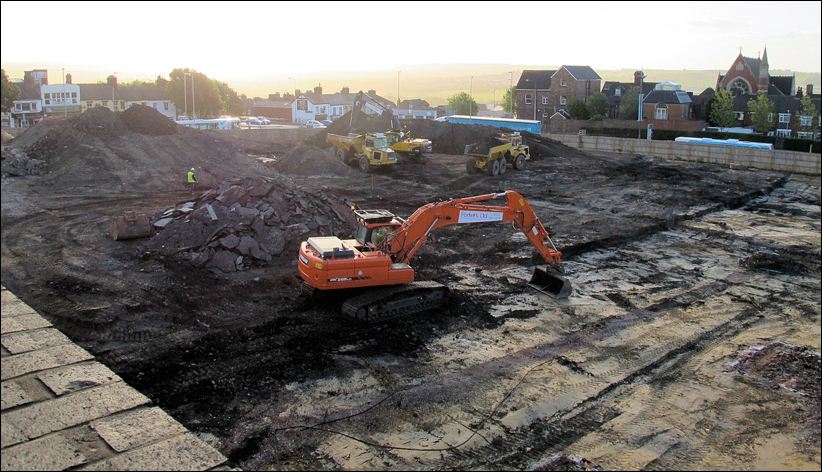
<point>496,159</point>
<point>403,144</point>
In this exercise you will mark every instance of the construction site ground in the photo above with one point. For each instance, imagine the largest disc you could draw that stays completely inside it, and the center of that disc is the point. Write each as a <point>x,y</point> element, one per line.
<point>691,340</point>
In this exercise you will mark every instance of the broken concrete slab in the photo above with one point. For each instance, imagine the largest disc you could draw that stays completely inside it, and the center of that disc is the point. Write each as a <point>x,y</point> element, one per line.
<point>223,261</point>
<point>230,241</point>
<point>181,452</point>
<point>77,377</point>
<point>163,222</point>
<point>211,212</point>
<point>24,341</point>
<point>53,452</point>
<point>28,362</point>
<point>13,394</point>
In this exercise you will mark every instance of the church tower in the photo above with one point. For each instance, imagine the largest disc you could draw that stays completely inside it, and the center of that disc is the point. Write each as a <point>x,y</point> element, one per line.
<point>764,78</point>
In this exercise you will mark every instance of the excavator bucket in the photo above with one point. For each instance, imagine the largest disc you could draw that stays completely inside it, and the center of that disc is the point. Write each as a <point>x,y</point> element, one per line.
<point>550,283</point>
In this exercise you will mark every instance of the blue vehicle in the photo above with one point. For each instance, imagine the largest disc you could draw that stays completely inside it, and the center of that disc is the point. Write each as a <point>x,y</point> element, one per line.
<point>327,123</point>
<point>724,142</point>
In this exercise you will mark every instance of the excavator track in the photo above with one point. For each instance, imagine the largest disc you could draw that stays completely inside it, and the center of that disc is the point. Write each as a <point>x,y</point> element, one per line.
<point>396,301</point>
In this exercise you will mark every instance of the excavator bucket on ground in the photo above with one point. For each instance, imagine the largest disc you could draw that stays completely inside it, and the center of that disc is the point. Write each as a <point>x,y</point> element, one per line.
<point>550,283</point>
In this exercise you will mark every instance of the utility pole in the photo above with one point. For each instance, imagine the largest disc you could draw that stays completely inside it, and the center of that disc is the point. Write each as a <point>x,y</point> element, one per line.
<point>398,88</point>
<point>511,92</point>
<point>185,95</point>
<point>193,102</point>
<point>65,110</point>
<point>471,96</point>
<point>535,100</point>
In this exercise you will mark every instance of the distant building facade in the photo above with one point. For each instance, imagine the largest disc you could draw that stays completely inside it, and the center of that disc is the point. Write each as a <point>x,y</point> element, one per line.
<point>416,109</point>
<point>541,94</point>
<point>316,105</point>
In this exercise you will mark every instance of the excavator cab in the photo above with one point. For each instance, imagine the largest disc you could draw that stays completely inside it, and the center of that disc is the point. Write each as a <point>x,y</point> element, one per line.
<point>375,226</point>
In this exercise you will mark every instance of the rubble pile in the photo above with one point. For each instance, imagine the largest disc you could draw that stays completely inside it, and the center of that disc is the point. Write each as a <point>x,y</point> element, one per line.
<point>311,160</point>
<point>99,121</point>
<point>364,123</point>
<point>246,222</point>
<point>564,462</point>
<point>146,120</point>
<point>17,162</point>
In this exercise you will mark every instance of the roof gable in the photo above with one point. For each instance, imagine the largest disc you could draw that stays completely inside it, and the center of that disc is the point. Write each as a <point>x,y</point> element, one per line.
<point>581,72</point>
<point>539,79</point>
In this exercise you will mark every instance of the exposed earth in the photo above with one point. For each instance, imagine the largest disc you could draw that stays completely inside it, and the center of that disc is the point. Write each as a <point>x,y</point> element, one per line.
<point>691,340</point>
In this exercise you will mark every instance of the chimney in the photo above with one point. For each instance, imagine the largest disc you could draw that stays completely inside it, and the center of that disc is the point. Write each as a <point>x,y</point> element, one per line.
<point>372,92</point>
<point>809,89</point>
<point>274,96</point>
<point>637,77</point>
<point>345,91</point>
<point>111,80</point>
<point>68,79</point>
<point>799,92</point>
<point>297,93</point>
<point>318,90</point>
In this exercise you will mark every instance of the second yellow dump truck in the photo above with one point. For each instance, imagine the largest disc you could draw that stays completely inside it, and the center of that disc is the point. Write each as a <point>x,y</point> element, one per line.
<point>495,158</point>
<point>402,143</point>
<point>366,151</point>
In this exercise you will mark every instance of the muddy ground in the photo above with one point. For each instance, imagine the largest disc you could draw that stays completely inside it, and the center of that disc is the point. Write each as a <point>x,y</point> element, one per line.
<point>678,269</point>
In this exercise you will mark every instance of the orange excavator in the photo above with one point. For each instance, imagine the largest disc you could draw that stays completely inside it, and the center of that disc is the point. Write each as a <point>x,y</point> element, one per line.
<point>380,255</point>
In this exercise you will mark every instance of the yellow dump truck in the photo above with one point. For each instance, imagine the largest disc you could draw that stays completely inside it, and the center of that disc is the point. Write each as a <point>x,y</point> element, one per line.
<point>495,159</point>
<point>402,143</point>
<point>365,151</point>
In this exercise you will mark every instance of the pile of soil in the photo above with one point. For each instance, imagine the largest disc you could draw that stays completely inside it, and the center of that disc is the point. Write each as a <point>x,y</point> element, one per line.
<point>783,365</point>
<point>311,160</point>
<point>147,120</point>
<point>99,121</point>
<point>17,162</point>
<point>100,150</point>
<point>563,462</point>
<point>246,222</point>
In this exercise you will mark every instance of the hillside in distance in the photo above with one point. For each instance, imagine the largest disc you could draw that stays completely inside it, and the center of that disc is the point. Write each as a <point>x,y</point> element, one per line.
<point>435,83</point>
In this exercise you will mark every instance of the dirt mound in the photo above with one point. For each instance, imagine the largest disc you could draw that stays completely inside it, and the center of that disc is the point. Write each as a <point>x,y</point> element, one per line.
<point>773,261</point>
<point>246,222</point>
<point>17,162</point>
<point>563,462</point>
<point>147,120</point>
<point>777,364</point>
<point>96,150</point>
<point>311,160</point>
<point>6,136</point>
<point>99,121</point>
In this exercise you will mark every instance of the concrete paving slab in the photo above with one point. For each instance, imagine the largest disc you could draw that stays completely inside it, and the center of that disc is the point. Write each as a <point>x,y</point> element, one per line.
<point>14,308</point>
<point>72,409</point>
<point>24,341</point>
<point>181,452</point>
<point>22,323</point>
<point>77,377</point>
<point>28,362</point>
<point>136,428</point>
<point>13,394</point>
<point>53,452</point>
<point>9,433</point>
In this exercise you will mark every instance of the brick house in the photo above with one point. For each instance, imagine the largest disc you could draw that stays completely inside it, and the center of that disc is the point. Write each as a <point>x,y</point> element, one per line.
<point>666,103</point>
<point>614,91</point>
<point>542,93</point>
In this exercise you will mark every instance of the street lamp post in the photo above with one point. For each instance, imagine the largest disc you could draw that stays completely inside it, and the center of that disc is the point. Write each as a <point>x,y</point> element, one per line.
<point>639,111</point>
<point>185,96</point>
<point>398,88</point>
<point>65,110</point>
<point>193,102</point>
<point>511,92</point>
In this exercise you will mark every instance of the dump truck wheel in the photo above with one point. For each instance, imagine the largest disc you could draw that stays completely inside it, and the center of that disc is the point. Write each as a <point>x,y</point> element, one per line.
<point>503,165</point>
<point>470,167</point>
<point>493,168</point>
<point>365,166</point>
<point>519,162</point>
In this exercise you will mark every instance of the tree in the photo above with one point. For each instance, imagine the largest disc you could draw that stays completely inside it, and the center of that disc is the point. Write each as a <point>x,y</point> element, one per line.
<point>629,103</point>
<point>722,109</point>
<point>808,109</point>
<point>761,114</point>
<point>462,104</point>
<point>597,106</point>
<point>10,92</point>
<point>577,109</point>
<point>509,100</point>
<point>206,101</point>
<point>231,102</point>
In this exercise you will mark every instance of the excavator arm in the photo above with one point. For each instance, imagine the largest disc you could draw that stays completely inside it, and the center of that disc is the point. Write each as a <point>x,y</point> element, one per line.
<point>413,234</point>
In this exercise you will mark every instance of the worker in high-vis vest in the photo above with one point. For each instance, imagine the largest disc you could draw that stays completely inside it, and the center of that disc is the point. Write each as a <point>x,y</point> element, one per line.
<point>190,178</point>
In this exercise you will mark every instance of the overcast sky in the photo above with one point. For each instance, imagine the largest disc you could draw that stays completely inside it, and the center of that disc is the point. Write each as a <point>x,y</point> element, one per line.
<point>237,40</point>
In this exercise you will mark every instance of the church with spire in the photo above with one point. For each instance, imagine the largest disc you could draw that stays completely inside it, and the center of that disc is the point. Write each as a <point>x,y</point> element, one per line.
<point>751,76</point>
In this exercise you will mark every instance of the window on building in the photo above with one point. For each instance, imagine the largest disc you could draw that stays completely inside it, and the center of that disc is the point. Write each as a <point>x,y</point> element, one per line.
<point>805,120</point>
<point>739,87</point>
<point>661,111</point>
<point>805,135</point>
<point>527,99</point>
<point>165,106</point>
<point>770,117</point>
<point>562,100</point>
<point>617,92</point>
<point>48,102</point>
<point>784,117</point>
<point>544,100</point>
<point>740,115</point>
<point>563,83</point>
<point>783,133</point>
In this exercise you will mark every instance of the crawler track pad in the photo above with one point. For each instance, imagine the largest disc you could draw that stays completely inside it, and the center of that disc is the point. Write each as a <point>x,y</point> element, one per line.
<point>386,303</point>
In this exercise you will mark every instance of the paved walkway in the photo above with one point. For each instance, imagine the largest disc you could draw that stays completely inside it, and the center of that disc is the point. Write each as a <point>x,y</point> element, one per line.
<point>61,408</point>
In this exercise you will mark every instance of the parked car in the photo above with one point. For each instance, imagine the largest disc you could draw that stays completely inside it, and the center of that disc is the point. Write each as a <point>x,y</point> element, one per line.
<point>327,123</point>
<point>253,121</point>
<point>314,124</point>
<point>263,120</point>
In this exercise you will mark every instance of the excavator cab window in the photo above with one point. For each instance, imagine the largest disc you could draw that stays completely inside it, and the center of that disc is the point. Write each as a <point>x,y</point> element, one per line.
<point>379,234</point>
